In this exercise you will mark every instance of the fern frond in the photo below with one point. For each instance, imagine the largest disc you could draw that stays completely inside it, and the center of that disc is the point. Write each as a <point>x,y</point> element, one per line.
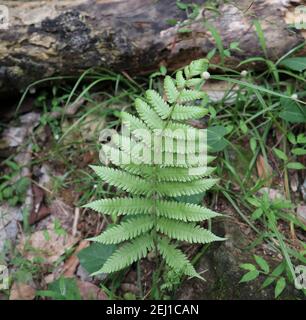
<point>170,89</point>
<point>180,81</point>
<point>188,112</point>
<point>140,206</point>
<point>180,174</point>
<point>158,103</point>
<point>184,211</point>
<point>127,254</point>
<point>148,115</point>
<point>193,82</point>
<point>159,157</point>
<point>122,206</point>
<point>185,231</point>
<point>132,122</point>
<point>196,67</point>
<point>125,231</point>
<point>123,180</point>
<point>176,189</point>
<point>191,95</point>
<point>176,259</point>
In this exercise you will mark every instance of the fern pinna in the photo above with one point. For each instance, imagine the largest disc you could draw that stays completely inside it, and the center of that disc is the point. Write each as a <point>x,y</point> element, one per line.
<point>155,219</point>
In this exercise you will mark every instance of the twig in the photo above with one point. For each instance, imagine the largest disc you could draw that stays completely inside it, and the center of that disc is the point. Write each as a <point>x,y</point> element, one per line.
<point>75,221</point>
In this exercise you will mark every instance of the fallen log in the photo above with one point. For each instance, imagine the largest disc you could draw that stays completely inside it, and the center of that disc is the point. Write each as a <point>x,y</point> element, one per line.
<point>62,38</point>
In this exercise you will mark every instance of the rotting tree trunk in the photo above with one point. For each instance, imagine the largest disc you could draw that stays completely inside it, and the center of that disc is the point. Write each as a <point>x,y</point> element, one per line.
<point>50,38</point>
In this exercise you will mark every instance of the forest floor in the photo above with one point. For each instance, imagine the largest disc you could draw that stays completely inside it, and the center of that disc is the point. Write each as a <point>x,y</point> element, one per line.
<point>48,142</point>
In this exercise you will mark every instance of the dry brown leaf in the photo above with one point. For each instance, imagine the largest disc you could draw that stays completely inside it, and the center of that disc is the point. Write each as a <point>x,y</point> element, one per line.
<point>46,244</point>
<point>22,291</point>
<point>72,263</point>
<point>264,170</point>
<point>89,291</point>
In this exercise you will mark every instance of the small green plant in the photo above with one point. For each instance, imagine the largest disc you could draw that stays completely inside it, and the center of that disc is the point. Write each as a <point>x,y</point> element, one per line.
<point>61,289</point>
<point>275,276</point>
<point>269,212</point>
<point>155,220</point>
<point>12,187</point>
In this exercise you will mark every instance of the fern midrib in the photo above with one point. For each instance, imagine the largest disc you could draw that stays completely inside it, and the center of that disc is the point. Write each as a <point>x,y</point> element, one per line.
<point>155,179</point>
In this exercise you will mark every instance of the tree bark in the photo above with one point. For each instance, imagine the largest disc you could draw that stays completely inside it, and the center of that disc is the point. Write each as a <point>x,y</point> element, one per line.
<point>62,38</point>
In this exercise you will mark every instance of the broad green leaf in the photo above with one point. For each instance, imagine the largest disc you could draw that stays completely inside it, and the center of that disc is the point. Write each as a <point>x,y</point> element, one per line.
<point>249,276</point>
<point>243,127</point>
<point>295,166</point>
<point>248,266</point>
<point>291,137</point>
<point>292,111</point>
<point>280,154</point>
<point>215,138</point>
<point>253,144</point>
<point>257,214</point>
<point>254,202</point>
<point>280,286</point>
<point>298,151</point>
<point>93,257</point>
<point>295,64</point>
<point>301,138</point>
<point>262,263</point>
<point>275,273</point>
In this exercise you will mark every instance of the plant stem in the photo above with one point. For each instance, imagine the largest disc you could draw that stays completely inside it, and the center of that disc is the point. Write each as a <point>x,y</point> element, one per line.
<point>286,181</point>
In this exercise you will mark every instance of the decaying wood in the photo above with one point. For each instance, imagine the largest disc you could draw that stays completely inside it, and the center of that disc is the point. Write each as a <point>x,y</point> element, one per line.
<point>66,37</point>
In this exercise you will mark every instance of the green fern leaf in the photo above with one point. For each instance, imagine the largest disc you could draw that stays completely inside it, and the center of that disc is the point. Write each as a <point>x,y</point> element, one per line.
<point>191,95</point>
<point>123,180</point>
<point>196,67</point>
<point>193,82</point>
<point>125,231</point>
<point>170,89</point>
<point>185,231</point>
<point>158,103</point>
<point>122,206</point>
<point>177,189</point>
<point>188,112</point>
<point>132,122</point>
<point>176,259</point>
<point>184,211</point>
<point>148,115</point>
<point>180,81</point>
<point>127,254</point>
<point>180,174</point>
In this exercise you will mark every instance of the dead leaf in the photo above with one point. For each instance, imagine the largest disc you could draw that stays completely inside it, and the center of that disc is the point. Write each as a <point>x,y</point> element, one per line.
<point>39,210</point>
<point>63,212</point>
<point>46,244</point>
<point>218,90</point>
<point>72,263</point>
<point>89,291</point>
<point>264,170</point>
<point>301,213</point>
<point>22,291</point>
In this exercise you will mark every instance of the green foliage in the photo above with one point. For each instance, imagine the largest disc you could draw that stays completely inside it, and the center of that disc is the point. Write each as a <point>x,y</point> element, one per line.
<point>269,212</point>
<point>94,256</point>
<point>295,64</point>
<point>62,289</point>
<point>264,269</point>
<point>155,220</point>
<point>292,111</point>
<point>13,188</point>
